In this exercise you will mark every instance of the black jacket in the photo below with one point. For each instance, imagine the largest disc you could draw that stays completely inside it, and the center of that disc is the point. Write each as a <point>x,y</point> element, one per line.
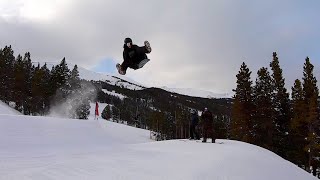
<point>134,54</point>
<point>207,117</point>
<point>194,119</point>
<point>128,53</point>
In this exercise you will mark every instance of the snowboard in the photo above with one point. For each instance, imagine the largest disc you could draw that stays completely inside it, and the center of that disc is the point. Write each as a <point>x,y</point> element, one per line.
<point>135,67</point>
<point>141,64</point>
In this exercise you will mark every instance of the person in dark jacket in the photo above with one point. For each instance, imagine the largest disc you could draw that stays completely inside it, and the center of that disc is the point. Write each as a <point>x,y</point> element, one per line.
<point>207,125</point>
<point>193,125</point>
<point>133,55</point>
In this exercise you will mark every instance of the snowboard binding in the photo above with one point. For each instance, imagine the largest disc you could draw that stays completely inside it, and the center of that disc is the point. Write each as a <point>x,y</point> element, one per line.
<point>148,47</point>
<point>120,71</point>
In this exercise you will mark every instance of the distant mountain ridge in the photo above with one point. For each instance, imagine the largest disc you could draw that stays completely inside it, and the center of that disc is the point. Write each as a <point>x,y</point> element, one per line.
<point>125,82</point>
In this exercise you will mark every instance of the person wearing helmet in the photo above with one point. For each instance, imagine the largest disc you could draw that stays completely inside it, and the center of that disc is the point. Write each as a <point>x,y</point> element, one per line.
<point>133,55</point>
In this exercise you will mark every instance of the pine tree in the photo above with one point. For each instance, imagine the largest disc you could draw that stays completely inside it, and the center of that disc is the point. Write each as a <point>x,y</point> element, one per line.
<point>220,127</point>
<point>281,105</point>
<point>36,91</point>
<point>54,85</point>
<point>74,79</point>
<point>7,61</point>
<point>70,91</point>
<point>310,96</point>
<point>83,110</point>
<point>242,109</point>
<point>46,88</point>
<point>19,83</point>
<point>297,104</point>
<point>60,84</point>
<point>28,70</point>
<point>60,90</point>
<point>63,72</point>
<point>181,121</point>
<point>157,118</point>
<point>264,112</point>
<point>106,113</point>
<point>298,126</point>
<point>75,96</point>
<point>116,113</point>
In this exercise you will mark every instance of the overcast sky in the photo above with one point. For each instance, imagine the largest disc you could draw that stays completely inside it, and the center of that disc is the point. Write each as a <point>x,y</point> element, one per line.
<point>196,44</point>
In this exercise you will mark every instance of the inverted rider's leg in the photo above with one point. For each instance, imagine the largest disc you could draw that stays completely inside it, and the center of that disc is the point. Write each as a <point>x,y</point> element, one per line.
<point>125,64</point>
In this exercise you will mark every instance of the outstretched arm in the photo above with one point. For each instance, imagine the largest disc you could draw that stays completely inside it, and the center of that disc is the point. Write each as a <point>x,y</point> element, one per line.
<point>140,50</point>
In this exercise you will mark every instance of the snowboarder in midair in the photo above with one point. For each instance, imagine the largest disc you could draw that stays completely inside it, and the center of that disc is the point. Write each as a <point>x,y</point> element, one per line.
<point>133,56</point>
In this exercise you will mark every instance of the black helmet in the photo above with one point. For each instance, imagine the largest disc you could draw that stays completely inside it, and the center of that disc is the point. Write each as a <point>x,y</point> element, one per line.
<point>127,40</point>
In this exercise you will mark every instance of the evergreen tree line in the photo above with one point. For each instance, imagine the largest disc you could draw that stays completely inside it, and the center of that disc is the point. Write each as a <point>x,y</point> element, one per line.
<point>264,114</point>
<point>159,111</point>
<point>35,90</point>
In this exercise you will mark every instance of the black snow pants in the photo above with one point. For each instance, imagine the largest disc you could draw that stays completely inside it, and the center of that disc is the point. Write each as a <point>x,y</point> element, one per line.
<point>193,132</point>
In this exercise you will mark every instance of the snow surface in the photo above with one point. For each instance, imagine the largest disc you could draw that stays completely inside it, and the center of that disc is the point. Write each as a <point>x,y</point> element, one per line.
<point>112,79</point>
<point>114,94</point>
<point>40,148</point>
<point>6,109</point>
<point>101,107</point>
<point>197,92</point>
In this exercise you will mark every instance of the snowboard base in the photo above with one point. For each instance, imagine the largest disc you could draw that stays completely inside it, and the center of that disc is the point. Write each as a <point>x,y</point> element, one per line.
<point>141,64</point>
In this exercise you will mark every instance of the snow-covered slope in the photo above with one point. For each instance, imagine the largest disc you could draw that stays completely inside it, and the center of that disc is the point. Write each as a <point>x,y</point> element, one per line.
<point>5,109</point>
<point>112,79</point>
<point>39,148</point>
<point>197,92</point>
<point>114,94</point>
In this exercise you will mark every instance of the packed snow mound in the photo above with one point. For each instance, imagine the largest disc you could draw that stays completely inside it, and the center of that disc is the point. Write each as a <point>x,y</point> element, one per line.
<point>37,148</point>
<point>6,109</point>
<point>28,136</point>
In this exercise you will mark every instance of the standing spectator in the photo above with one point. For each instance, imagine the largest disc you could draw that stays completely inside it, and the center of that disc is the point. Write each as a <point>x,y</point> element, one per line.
<point>194,123</point>
<point>207,125</point>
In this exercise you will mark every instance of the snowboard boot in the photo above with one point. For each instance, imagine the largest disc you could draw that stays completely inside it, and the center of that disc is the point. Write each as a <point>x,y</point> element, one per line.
<point>148,47</point>
<point>120,71</point>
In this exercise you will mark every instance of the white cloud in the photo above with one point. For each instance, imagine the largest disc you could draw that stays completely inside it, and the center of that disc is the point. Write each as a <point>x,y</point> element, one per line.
<point>197,45</point>
<point>31,10</point>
